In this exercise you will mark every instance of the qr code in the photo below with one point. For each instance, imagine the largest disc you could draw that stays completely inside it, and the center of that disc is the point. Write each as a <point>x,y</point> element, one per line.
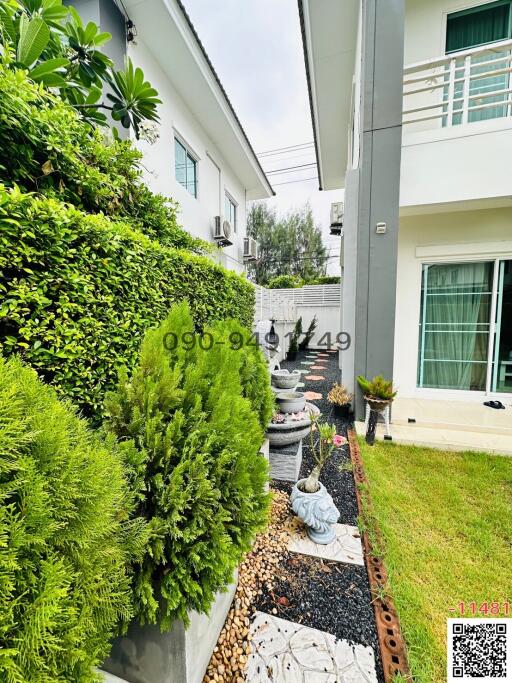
<point>480,650</point>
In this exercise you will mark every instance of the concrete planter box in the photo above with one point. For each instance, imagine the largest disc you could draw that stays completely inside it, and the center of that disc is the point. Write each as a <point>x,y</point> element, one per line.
<point>145,655</point>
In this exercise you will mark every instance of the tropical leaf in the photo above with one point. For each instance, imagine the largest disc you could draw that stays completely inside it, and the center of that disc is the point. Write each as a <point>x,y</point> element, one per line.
<point>7,23</point>
<point>34,37</point>
<point>49,66</point>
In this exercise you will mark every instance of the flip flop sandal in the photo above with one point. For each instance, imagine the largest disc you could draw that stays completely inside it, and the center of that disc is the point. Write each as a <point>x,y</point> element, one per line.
<point>492,404</point>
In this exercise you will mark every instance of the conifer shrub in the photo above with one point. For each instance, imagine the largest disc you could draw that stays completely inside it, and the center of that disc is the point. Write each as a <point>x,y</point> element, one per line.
<point>253,368</point>
<point>78,291</point>
<point>64,533</point>
<point>202,483</point>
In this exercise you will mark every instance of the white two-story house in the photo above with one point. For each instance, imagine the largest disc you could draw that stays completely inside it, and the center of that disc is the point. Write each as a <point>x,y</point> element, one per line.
<point>453,265</point>
<point>202,158</point>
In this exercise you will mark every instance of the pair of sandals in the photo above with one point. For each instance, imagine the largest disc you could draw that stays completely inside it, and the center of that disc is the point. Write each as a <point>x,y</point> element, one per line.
<point>495,404</point>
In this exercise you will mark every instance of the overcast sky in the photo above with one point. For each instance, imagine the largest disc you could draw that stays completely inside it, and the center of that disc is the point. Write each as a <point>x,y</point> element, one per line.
<point>256,48</point>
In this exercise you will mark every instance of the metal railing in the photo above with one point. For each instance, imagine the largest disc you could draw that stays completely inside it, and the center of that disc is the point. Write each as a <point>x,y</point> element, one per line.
<point>459,88</point>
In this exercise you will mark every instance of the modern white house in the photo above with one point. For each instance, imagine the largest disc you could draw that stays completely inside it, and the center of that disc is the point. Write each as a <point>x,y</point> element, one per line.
<point>447,259</point>
<point>202,157</point>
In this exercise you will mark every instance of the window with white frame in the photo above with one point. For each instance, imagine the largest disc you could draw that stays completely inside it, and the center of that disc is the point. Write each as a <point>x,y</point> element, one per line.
<point>185,165</point>
<point>230,210</point>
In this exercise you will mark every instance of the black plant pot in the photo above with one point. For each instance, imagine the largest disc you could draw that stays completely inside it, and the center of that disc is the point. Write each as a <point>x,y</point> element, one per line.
<point>342,411</point>
<point>291,355</point>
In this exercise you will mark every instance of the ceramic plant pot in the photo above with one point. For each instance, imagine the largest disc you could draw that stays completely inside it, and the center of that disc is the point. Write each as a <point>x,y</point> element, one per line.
<point>342,411</point>
<point>317,511</point>
<point>378,404</point>
<point>291,401</point>
<point>284,379</point>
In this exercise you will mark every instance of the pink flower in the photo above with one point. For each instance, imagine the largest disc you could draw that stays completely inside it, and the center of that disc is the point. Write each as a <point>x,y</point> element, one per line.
<point>339,440</point>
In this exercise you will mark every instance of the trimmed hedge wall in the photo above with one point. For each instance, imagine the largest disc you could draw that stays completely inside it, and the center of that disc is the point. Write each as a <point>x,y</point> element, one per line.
<point>78,291</point>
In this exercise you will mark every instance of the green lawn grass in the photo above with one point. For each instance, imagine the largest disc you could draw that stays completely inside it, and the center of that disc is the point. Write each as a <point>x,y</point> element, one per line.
<point>446,520</point>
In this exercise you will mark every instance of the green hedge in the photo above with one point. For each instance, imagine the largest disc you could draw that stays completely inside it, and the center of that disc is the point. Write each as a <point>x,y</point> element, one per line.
<point>66,537</point>
<point>78,291</point>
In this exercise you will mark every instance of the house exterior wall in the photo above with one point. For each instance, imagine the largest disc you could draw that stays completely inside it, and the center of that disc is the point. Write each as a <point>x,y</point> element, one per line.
<point>462,162</point>
<point>197,215</point>
<point>425,26</point>
<point>430,238</point>
<point>215,177</point>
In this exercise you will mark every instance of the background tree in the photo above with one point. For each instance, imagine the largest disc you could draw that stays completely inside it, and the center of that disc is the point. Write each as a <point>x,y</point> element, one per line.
<point>291,245</point>
<point>50,41</point>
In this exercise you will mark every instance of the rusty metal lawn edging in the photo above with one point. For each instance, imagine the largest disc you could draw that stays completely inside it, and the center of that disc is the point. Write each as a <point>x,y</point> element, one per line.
<point>391,642</point>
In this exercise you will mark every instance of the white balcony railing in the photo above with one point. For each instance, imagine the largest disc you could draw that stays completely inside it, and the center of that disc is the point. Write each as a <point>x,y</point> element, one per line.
<point>471,85</point>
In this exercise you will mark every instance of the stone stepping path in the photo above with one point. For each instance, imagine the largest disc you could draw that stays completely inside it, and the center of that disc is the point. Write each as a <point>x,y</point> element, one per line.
<point>312,395</point>
<point>285,652</point>
<point>346,547</point>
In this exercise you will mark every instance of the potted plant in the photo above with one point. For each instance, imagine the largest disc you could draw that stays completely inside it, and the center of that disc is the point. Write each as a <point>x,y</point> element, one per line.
<point>340,399</point>
<point>310,500</point>
<point>378,392</point>
<point>304,344</point>
<point>294,340</point>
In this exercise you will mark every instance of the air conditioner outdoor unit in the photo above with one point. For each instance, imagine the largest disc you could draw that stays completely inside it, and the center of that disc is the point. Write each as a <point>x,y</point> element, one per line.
<point>250,249</point>
<point>337,212</point>
<point>222,233</point>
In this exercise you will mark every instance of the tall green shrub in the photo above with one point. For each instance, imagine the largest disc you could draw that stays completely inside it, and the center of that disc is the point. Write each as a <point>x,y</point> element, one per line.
<point>203,482</point>
<point>63,510</point>
<point>77,293</point>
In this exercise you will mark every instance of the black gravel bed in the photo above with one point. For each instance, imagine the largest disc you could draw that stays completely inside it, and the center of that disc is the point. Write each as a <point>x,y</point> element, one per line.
<point>339,482</point>
<point>330,596</point>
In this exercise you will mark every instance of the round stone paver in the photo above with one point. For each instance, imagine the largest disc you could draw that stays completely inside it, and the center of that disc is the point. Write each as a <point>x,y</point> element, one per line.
<point>318,367</point>
<point>315,378</point>
<point>312,396</point>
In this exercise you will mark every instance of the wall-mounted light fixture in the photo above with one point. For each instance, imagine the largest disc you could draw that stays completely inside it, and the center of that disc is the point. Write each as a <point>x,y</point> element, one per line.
<point>131,31</point>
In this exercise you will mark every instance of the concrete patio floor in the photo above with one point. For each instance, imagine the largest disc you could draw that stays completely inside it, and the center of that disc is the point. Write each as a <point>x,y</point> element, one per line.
<point>454,425</point>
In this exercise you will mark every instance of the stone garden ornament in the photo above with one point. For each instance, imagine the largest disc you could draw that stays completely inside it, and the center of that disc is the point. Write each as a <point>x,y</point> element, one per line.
<point>310,500</point>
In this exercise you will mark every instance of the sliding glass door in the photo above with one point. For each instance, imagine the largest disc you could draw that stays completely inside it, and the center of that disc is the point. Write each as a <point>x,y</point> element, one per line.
<point>455,318</point>
<point>501,381</point>
<point>465,339</point>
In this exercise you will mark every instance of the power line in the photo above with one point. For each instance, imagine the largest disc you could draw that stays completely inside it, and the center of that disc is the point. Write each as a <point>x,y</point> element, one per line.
<point>281,150</point>
<point>301,180</point>
<point>290,168</point>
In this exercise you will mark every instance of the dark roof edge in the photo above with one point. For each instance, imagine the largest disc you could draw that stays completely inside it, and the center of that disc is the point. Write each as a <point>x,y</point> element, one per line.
<point>310,92</point>
<point>219,83</point>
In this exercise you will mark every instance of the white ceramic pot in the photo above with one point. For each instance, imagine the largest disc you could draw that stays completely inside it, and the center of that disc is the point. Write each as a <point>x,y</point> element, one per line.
<point>283,379</point>
<point>291,401</point>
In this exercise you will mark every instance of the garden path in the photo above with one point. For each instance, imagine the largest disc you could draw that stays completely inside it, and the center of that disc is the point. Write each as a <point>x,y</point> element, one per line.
<point>316,624</point>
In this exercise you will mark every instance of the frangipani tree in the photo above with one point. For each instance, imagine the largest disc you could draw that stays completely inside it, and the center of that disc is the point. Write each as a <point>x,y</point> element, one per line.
<point>50,41</point>
<point>321,449</point>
